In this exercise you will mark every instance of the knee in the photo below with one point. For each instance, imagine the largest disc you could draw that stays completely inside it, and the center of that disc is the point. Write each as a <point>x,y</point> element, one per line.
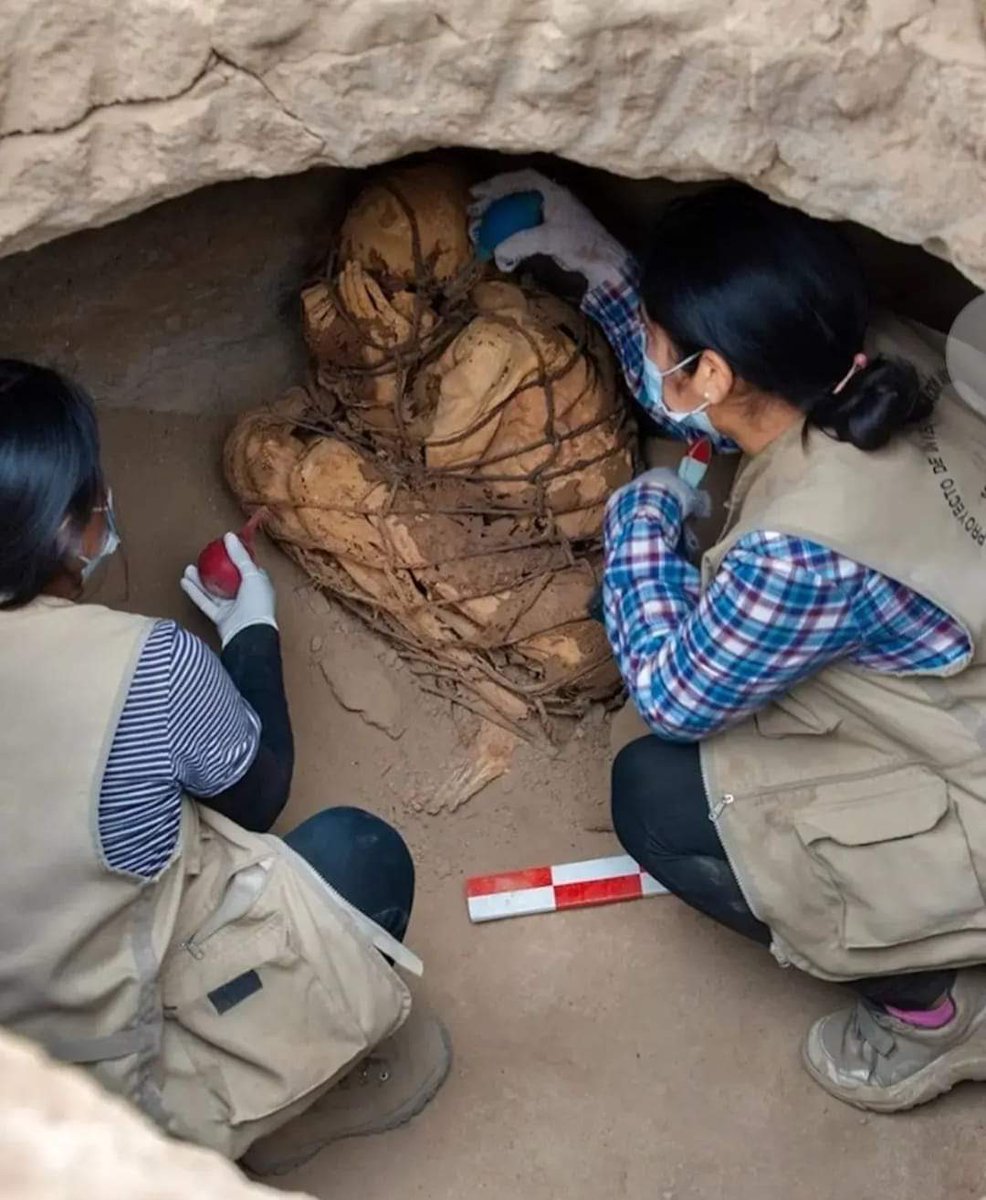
<point>353,835</point>
<point>367,833</point>
<point>632,794</point>
<point>385,842</point>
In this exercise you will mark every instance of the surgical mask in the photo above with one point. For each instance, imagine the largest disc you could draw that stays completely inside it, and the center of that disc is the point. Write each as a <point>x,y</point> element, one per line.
<point>111,539</point>
<point>695,418</point>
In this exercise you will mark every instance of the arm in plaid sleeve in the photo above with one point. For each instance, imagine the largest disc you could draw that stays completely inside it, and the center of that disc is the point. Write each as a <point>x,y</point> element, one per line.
<point>615,307</point>
<point>779,610</point>
<point>693,663</point>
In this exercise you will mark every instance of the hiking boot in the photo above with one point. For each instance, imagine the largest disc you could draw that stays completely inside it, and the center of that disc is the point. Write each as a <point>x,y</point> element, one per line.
<point>868,1058</point>
<point>392,1084</point>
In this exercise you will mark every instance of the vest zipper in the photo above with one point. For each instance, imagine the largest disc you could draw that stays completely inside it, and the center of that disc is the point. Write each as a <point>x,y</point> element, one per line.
<point>873,772</point>
<point>239,897</point>
<point>724,801</point>
<point>715,812</point>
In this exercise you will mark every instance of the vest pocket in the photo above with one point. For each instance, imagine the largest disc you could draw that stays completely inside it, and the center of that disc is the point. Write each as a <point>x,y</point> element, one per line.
<point>257,1020</point>
<point>895,852</point>
<point>788,716</point>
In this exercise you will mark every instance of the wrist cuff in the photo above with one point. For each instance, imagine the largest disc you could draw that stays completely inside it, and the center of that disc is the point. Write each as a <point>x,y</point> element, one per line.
<point>227,635</point>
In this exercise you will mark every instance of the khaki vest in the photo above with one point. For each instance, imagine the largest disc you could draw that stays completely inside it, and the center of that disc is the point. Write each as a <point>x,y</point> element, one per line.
<point>853,810</point>
<point>131,978</point>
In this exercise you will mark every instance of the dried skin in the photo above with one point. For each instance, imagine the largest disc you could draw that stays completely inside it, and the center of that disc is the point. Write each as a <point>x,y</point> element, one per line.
<point>260,454</point>
<point>378,234</point>
<point>329,337</point>
<point>562,600</point>
<point>459,504</point>
<point>474,380</point>
<point>357,333</point>
<point>573,656</point>
<point>449,581</point>
<point>488,756</point>
<point>333,489</point>
<point>558,445</point>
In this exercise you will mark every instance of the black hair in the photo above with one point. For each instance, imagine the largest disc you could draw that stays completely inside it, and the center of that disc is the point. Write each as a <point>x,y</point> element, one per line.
<point>782,297</point>
<point>50,477</point>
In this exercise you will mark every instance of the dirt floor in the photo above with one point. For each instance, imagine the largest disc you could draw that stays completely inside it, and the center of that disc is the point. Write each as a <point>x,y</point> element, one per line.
<point>635,1051</point>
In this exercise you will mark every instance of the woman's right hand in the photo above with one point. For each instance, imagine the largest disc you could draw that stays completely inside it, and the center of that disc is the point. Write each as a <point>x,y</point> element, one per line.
<point>253,604</point>
<point>568,232</point>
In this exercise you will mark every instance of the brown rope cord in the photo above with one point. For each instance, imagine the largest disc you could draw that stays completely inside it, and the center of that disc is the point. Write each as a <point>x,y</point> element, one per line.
<point>440,645</point>
<point>413,472</point>
<point>425,652</point>
<point>485,713</point>
<point>412,475</point>
<point>562,702</point>
<point>384,623</point>
<point>402,357</point>
<point>543,378</point>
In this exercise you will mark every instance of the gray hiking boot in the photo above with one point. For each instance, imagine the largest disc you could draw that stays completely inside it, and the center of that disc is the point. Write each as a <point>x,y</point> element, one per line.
<point>386,1089</point>
<point>868,1058</point>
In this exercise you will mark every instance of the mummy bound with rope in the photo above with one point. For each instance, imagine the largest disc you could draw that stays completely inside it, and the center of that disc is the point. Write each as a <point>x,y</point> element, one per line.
<point>445,471</point>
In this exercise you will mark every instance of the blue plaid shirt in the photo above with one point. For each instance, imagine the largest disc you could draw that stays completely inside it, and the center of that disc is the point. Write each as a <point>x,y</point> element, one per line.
<point>779,610</point>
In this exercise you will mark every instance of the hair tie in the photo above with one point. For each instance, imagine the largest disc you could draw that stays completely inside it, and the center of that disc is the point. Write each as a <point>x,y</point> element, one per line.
<point>859,363</point>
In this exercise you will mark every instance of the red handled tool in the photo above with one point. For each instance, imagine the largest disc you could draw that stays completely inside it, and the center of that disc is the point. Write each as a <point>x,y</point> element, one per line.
<point>693,466</point>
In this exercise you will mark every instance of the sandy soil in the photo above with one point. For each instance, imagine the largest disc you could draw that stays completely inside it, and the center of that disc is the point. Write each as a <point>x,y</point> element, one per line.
<point>636,1051</point>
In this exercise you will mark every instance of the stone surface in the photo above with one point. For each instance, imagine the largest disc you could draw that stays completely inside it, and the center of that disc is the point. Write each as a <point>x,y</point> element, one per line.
<point>62,1136</point>
<point>872,111</point>
<point>193,305</point>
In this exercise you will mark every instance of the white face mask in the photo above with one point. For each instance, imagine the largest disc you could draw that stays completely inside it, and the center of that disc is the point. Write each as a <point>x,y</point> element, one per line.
<point>695,418</point>
<point>111,539</point>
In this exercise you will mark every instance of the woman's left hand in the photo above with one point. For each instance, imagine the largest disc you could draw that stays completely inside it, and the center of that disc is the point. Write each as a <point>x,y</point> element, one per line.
<point>693,502</point>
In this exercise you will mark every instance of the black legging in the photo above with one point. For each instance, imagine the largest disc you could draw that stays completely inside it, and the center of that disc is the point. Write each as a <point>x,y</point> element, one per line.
<point>661,815</point>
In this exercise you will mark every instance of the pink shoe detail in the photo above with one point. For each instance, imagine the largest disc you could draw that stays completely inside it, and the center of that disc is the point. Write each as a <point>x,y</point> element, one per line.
<point>925,1018</point>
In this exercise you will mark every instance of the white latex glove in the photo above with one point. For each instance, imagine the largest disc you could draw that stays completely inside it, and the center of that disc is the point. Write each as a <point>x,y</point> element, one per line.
<point>568,232</point>
<point>253,604</point>
<point>694,503</point>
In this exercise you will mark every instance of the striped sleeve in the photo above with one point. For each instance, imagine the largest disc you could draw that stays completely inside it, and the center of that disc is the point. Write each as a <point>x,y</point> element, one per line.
<point>213,732</point>
<point>184,728</point>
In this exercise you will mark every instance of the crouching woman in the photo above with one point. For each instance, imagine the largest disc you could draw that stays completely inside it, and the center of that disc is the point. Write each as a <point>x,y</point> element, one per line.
<point>815,774</point>
<point>153,930</point>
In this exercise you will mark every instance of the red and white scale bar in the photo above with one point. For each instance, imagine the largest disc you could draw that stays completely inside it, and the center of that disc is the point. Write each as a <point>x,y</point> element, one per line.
<point>566,885</point>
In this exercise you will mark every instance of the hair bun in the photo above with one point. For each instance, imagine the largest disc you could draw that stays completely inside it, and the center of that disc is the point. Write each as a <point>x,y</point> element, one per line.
<point>877,401</point>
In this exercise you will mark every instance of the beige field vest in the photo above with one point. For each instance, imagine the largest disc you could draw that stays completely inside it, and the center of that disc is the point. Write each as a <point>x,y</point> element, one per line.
<point>853,810</point>
<point>221,998</point>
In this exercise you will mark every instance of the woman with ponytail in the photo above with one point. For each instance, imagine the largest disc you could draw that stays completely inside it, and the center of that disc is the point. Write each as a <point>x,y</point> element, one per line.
<point>816,685</point>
